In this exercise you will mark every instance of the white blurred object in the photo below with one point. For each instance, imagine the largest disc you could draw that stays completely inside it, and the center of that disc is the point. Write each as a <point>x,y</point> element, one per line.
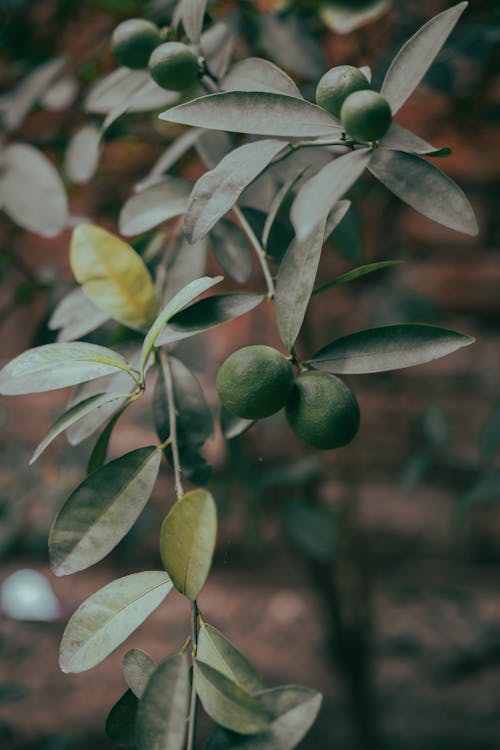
<point>27,595</point>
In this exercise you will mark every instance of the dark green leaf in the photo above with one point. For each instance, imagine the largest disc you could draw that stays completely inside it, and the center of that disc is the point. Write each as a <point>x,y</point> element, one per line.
<point>312,529</point>
<point>276,204</point>
<point>256,74</point>
<point>154,205</point>
<point>138,667</point>
<point>120,724</point>
<point>232,251</point>
<point>215,650</point>
<point>388,348</point>
<point>356,273</point>
<point>100,450</point>
<point>347,236</point>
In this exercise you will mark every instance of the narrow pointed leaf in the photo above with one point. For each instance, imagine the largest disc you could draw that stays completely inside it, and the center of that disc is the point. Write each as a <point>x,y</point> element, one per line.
<point>398,138</point>
<point>388,348</point>
<point>425,188</point>
<point>127,90</point>
<point>154,205</point>
<point>417,55</point>
<point>356,273</point>
<point>100,450</point>
<point>257,74</point>
<point>52,366</point>
<point>227,703</point>
<point>191,13</point>
<point>276,204</point>
<point>256,113</point>
<point>107,618</point>
<point>101,510</point>
<point>15,105</point>
<point>216,192</point>
<point>317,196</point>
<point>120,724</point>
<point>164,707</point>
<point>172,153</point>
<point>215,650</point>
<point>75,316</point>
<point>138,666</point>
<point>232,251</point>
<point>187,542</point>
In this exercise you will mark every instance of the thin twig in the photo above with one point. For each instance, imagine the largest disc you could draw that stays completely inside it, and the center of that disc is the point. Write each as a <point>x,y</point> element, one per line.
<point>193,709</point>
<point>172,416</point>
<point>259,250</point>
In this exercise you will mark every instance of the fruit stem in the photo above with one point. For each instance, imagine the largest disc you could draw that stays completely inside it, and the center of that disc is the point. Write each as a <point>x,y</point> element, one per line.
<point>172,417</point>
<point>259,250</point>
<point>193,710</point>
<point>293,147</point>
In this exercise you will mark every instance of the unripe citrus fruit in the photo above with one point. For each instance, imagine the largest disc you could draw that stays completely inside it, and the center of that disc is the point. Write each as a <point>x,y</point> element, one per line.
<point>322,410</point>
<point>133,41</point>
<point>366,115</point>
<point>254,382</point>
<point>336,85</point>
<point>174,66</point>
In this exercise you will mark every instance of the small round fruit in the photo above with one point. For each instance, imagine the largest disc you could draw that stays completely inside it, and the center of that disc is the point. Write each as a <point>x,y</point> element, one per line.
<point>322,410</point>
<point>254,382</point>
<point>336,85</point>
<point>366,115</point>
<point>174,66</point>
<point>133,41</point>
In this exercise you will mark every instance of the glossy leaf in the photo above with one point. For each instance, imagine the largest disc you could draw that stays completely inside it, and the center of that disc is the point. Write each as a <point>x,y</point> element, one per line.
<point>320,193</point>
<point>257,74</point>
<point>33,193</point>
<point>153,206</point>
<point>127,90</point>
<point>256,113</point>
<point>227,703</point>
<point>215,650</point>
<point>107,618</point>
<point>425,188</point>
<point>187,542</point>
<point>357,273</point>
<point>164,707</point>
<point>417,55</point>
<point>216,192</point>
<point>232,251</point>
<point>82,155</point>
<point>113,276</point>
<point>76,315</point>
<point>120,723</point>
<point>52,366</point>
<point>138,666</point>
<point>101,510</point>
<point>15,105</point>
<point>388,348</point>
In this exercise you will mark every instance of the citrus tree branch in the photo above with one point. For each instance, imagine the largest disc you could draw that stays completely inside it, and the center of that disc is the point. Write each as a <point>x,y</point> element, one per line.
<point>259,250</point>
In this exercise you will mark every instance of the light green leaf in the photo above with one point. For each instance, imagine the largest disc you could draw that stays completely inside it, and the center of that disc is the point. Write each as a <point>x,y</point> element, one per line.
<point>75,316</point>
<point>82,154</point>
<point>172,153</point>
<point>16,104</point>
<point>120,724</point>
<point>187,541</point>
<point>73,414</point>
<point>257,74</point>
<point>127,90</point>
<point>356,273</point>
<point>154,205</point>
<point>215,650</point>
<point>388,348</point>
<point>318,195</point>
<point>101,510</point>
<point>52,366</point>
<point>107,618</point>
<point>232,251</point>
<point>417,55</point>
<point>216,192</point>
<point>285,37</point>
<point>191,13</point>
<point>256,113</point>
<point>425,188</point>
<point>164,707</point>
<point>113,276</point>
<point>138,666</point>
<point>227,703</point>
<point>398,138</point>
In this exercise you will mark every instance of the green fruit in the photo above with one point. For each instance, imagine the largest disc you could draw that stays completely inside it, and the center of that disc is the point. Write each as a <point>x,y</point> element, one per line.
<point>322,410</point>
<point>174,66</point>
<point>133,41</point>
<point>366,115</point>
<point>254,382</point>
<point>336,85</point>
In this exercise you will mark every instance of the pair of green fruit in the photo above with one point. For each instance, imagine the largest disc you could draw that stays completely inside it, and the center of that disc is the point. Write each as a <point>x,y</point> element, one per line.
<point>137,43</point>
<point>257,381</point>
<point>345,92</point>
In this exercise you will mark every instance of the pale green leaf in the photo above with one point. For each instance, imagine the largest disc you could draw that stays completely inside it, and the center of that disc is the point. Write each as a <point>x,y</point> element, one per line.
<point>76,315</point>
<point>187,542</point>
<point>257,74</point>
<point>138,666</point>
<point>16,104</point>
<point>191,13</point>
<point>120,723</point>
<point>388,348</point>
<point>101,510</point>
<point>154,205</point>
<point>127,90</point>
<point>107,618</point>
<point>82,154</point>
<point>113,276</point>
<point>417,55</point>
<point>215,650</point>
<point>277,203</point>
<point>232,251</point>
<point>285,38</point>
<point>172,153</point>
<point>398,138</point>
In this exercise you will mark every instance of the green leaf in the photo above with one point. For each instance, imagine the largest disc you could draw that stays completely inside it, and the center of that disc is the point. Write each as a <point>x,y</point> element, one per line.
<point>425,188</point>
<point>227,703</point>
<point>33,192</point>
<point>73,414</point>
<point>312,529</point>
<point>52,366</point>
<point>318,195</point>
<point>285,37</point>
<point>15,105</point>
<point>107,618</point>
<point>101,510</point>
<point>172,153</point>
<point>154,205</point>
<point>138,666</point>
<point>388,348</point>
<point>347,236</point>
<point>257,74</point>
<point>417,55</point>
<point>164,707</point>
<point>100,450</point>
<point>126,90</point>
<point>187,542</point>
<point>277,203</point>
<point>216,192</point>
<point>180,300</point>
<point>295,709</point>
<point>357,273</point>
<point>398,138</point>
<point>208,313</point>
<point>191,13</point>
<point>113,275</point>
<point>215,650</point>
<point>82,154</point>
<point>75,316</point>
<point>120,724</point>
<point>232,251</point>
<point>256,113</point>
<point>296,276</point>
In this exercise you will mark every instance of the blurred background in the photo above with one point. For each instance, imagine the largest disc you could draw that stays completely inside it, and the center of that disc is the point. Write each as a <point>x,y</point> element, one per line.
<point>371,573</point>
